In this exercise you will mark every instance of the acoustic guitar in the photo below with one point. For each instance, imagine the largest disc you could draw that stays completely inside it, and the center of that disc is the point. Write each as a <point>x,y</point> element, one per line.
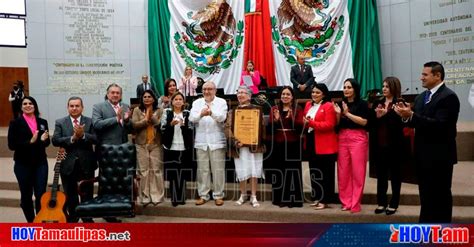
<point>52,202</point>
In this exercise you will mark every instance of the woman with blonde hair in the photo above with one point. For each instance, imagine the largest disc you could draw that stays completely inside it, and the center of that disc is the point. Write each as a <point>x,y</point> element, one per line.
<point>188,83</point>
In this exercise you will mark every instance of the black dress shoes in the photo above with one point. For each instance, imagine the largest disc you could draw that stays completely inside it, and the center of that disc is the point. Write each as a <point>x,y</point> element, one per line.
<point>379,210</point>
<point>175,204</point>
<point>390,211</point>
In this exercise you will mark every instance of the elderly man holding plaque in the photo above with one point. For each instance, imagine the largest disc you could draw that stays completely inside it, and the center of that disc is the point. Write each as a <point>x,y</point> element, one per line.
<point>245,131</point>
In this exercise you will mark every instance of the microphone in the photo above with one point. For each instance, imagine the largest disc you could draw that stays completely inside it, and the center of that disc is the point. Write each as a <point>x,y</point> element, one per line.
<point>416,88</point>
<point>406,90</point>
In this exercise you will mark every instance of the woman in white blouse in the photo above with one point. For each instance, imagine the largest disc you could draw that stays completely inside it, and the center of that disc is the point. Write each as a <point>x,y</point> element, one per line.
<point>177,140</point>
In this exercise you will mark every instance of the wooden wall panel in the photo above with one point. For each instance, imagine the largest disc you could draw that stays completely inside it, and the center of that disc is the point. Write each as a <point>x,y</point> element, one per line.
<point>8,76</point>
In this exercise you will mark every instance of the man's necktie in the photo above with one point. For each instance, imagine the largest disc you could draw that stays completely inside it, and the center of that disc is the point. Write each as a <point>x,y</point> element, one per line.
<point>116,108</point>
<point>426,99</point>
<point>76,123</point>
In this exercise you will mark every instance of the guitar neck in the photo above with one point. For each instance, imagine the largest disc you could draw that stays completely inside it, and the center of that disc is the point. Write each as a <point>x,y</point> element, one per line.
<point>54,189</point>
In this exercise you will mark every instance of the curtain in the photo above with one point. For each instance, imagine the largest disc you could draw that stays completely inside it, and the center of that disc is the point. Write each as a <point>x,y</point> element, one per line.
<point>158,43</point>
<point>366,58</point>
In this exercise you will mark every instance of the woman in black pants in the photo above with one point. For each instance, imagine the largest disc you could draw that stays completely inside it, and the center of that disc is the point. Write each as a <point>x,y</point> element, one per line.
<point>386,137</point>
<point>321,145</point>
<point>28,136</point>
<point>177,143</point>
<point>286,123</point>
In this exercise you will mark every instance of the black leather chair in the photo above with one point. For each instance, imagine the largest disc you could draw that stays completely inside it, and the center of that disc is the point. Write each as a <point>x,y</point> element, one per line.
<point>117,184</point>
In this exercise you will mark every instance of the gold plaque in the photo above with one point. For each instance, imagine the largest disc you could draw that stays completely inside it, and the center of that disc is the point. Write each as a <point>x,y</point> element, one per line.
<point>247,126</point>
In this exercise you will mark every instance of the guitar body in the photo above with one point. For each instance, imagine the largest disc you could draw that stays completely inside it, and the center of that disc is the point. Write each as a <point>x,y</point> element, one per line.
<point>51,213</point>
<point>52,202</point>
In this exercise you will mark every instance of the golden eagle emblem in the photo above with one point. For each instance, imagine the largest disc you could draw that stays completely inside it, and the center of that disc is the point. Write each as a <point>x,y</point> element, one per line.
<point>306,28</point>
<point>211,37</point>
<point>215,22</point>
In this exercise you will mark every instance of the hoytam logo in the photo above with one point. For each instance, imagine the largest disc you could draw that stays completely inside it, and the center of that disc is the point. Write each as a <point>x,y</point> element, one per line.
<point>429,234</point>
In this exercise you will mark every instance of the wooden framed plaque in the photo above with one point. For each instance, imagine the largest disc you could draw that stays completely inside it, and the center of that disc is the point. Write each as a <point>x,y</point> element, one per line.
<point>246,125</point>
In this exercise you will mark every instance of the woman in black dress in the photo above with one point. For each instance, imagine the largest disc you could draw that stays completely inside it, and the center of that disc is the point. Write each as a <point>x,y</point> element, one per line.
<point>386,138</point>
<point>286,123</point>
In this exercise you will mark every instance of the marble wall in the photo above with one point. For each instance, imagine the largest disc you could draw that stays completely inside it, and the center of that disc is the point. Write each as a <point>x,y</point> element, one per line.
<point>413,32</point>
<point>78,47</point>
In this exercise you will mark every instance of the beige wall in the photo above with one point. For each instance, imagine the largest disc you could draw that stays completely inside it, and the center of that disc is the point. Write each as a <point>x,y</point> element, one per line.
<point>13,57</point>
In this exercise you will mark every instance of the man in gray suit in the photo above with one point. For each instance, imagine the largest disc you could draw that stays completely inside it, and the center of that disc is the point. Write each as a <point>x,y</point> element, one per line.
<point>111,122</point>
<point>76,135</point>
<point>111,118</point>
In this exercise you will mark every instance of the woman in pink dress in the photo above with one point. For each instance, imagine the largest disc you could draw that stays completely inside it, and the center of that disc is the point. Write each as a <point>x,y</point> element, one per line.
<point>254,74</point>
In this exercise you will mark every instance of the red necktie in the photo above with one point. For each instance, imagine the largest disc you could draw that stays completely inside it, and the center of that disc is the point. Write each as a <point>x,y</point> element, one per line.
<point>76,123</point>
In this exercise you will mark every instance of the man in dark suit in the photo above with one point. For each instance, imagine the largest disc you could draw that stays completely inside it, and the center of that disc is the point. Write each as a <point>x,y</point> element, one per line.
<point>76,135</point>
<point>15,97</point>
<point>302,78</point>
<point>434,117</point>
<point>145,85</point>
<point>111,118</point>
<point>111,122</point>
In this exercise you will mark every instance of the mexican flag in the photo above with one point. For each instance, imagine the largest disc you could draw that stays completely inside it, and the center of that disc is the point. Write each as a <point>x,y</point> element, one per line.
<point>322,32</point>
<point>338,38</point>
<point>258,42</point>
<point>207,35</point>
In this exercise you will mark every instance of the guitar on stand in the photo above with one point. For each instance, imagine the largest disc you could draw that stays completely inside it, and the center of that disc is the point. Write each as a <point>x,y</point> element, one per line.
<point>52,202</point>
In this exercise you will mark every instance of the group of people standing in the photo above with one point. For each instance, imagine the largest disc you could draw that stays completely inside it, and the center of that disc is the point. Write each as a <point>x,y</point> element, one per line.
<point>323,132</point>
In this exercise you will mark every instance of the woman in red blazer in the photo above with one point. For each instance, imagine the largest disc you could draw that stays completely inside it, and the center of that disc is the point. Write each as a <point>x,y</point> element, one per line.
<point>321,145</point>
